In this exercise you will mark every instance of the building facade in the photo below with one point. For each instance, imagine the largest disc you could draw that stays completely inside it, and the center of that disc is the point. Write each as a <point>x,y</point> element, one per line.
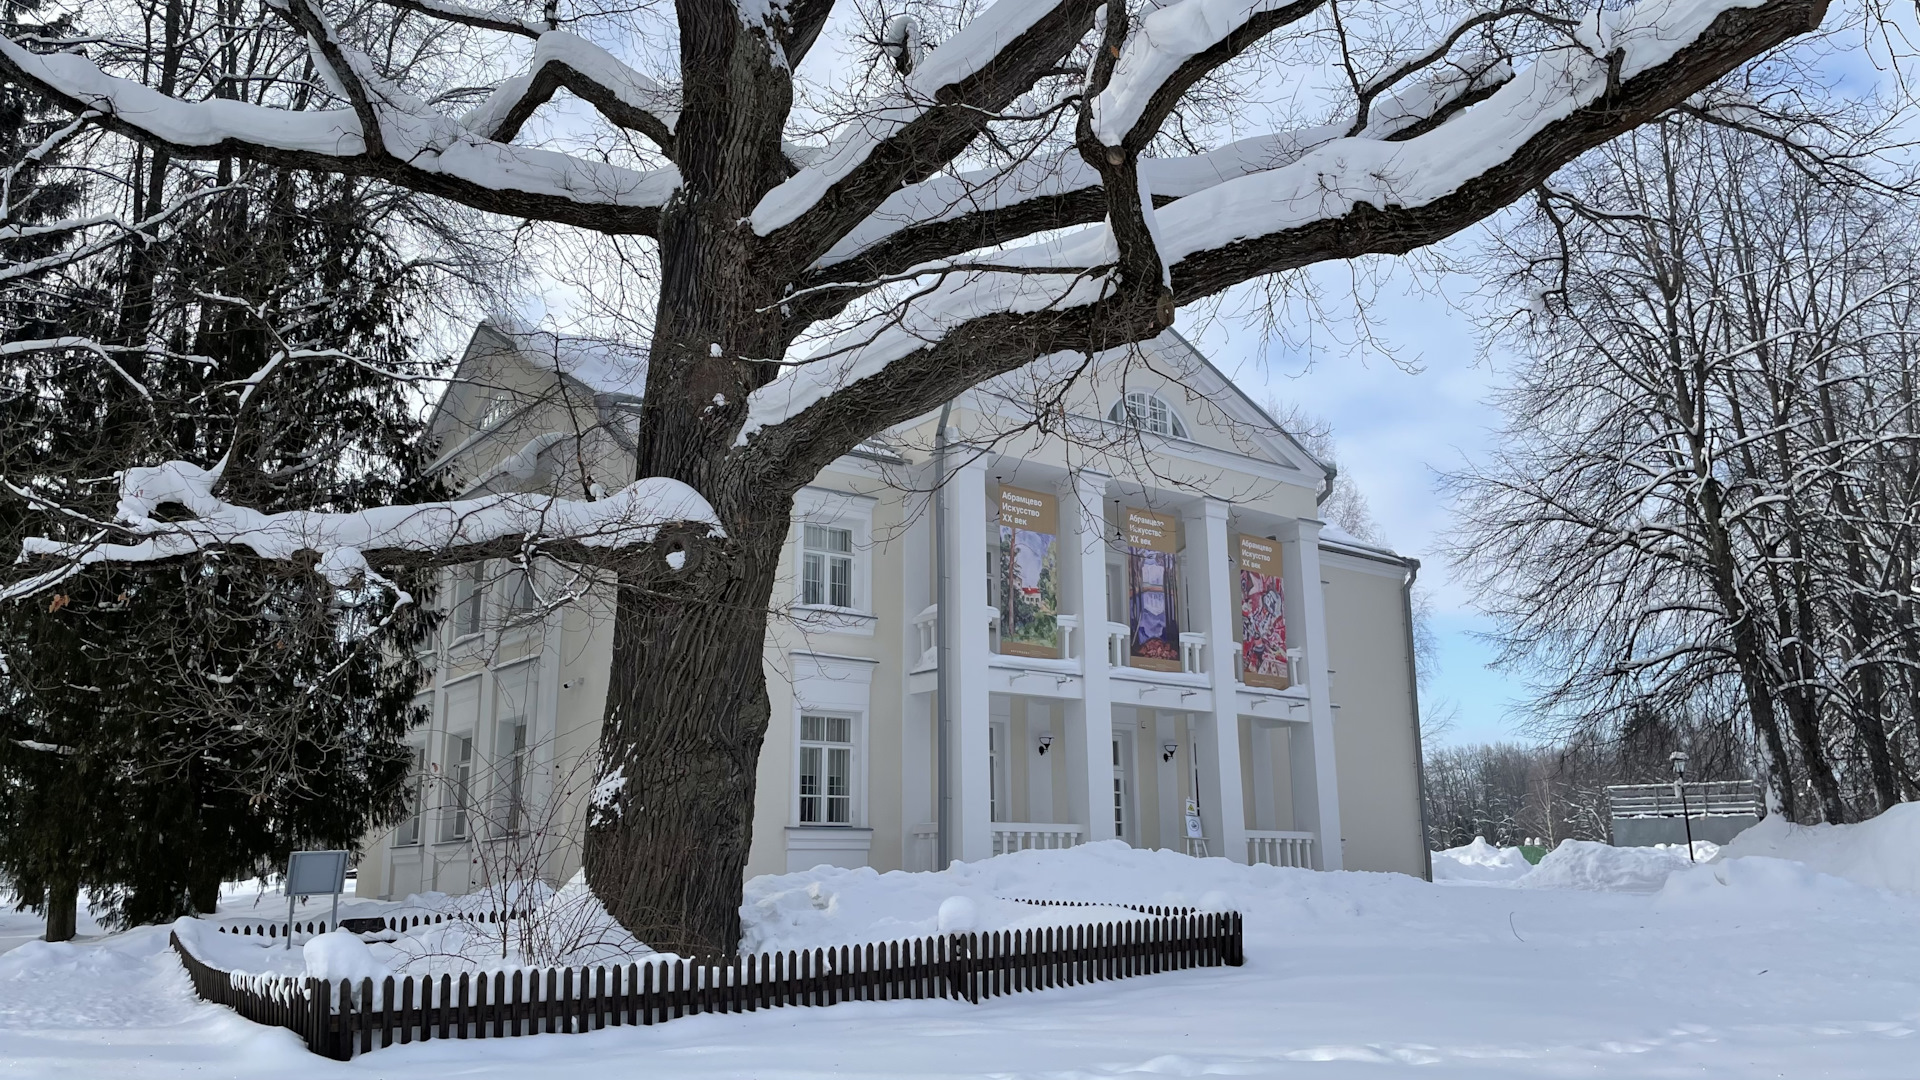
<point>1149,636</point>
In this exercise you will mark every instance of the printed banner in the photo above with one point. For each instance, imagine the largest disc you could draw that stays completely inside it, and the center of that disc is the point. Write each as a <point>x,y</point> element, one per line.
<point>1153,581</point>
<point>1263,614</point>
<point>1030,583</point>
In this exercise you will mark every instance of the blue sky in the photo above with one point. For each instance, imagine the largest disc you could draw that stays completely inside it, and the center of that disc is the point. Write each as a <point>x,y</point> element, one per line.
<point>1397,422</point>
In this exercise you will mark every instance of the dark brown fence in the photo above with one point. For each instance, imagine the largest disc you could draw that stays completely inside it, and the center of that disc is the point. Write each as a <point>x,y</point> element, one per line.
<point>336,1018</point>
<point>398,924</point>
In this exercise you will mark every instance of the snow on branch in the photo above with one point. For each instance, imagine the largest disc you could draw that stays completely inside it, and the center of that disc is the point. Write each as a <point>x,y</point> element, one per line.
<point>990,61</point>
<point>343,542</point>
<point>418,148</point>
<point>1344,197</point>
<point>624,96</point>
<point>976,208</point>
<point>1170,50</point>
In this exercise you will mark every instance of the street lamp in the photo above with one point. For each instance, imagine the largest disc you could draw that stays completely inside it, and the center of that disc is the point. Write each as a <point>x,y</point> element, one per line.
<point>1679,759</point>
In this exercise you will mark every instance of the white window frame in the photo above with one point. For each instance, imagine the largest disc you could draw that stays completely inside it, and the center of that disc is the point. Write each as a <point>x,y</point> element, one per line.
<point>1139,409</point>
<point>456,807</point>
<point>505,760</point>
<point>469,588</point>
<point>831,561</point>
<point>836,510</point>
<point>831,686</point>
<point>825,746</point>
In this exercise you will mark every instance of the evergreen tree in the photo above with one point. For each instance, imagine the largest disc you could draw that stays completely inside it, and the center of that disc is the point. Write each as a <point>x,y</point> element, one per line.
<point>165,728</point>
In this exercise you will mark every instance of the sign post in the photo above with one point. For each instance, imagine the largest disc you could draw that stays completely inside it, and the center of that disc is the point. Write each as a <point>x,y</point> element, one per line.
<point>315,873</point>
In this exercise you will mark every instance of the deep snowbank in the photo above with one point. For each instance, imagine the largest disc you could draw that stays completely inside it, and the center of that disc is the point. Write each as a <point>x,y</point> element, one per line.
<point>1882,852</point>
<point>1480,862</point>
<point>1587,864</point>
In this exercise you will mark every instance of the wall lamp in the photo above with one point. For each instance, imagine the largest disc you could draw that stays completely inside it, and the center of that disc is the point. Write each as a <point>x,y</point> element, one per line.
<point>1167,750</point>
<point>1045,741</point>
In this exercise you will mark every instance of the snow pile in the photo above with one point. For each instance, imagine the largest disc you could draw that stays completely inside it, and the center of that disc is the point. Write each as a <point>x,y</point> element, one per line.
<point>1883,852</point>
<point>340,955</point>
<point>830,905</point>
<point>1587,864</point>
<point>1757,883</point>
<point>1480,861</point>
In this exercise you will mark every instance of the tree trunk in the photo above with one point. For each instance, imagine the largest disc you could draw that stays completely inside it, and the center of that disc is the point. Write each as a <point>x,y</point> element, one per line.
<point>687,711</point>
<point>203,892</point>
<point>63,910</point>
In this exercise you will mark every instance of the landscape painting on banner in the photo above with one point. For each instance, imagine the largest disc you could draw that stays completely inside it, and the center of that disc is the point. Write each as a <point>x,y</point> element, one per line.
<point>1030,587</point>
<point>1263,614</point>
<point>1153,576</point>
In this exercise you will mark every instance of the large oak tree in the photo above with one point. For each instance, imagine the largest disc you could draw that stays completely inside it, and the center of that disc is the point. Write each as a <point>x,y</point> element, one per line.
<point>1029,185</point>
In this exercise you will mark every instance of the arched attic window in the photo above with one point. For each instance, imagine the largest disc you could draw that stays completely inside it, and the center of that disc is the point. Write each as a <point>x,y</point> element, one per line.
<point>1148,412</point>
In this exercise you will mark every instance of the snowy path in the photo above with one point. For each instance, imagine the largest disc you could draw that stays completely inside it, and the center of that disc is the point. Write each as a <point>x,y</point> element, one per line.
<point>1780,972</point>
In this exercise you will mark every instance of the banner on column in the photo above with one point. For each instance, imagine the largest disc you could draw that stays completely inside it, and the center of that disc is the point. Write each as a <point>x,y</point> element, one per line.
<point>1263,614</point>
<point>1153,579</point>
<point>1030,587</point>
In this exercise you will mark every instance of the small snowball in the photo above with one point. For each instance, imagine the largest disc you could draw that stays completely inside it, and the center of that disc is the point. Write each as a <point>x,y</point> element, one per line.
<point>719,401</point>
<point>713,350</point>
<point>957,915</point>
<point>676,559</point>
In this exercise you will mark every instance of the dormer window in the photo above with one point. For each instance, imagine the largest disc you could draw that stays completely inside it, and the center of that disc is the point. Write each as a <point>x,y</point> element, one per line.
<point>1148,412</point>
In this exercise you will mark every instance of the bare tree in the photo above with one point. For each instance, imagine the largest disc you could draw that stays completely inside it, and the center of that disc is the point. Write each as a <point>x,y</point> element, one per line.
<point>1026,186</point>
<point>1705,490</point>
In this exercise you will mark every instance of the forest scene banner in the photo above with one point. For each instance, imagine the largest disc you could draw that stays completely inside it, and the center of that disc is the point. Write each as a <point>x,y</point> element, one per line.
<point>1153,576</point>
<point>1030,584</point>
<point>1263,613</point>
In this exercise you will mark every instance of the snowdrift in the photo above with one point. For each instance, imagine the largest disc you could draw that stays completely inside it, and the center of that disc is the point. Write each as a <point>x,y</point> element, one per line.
<point>1587,864</point>
<point>1881,852</point>
<point>1480,862</point>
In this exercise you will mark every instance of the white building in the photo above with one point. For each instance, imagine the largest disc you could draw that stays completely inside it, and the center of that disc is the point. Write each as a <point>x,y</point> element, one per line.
<point>1095,687</point>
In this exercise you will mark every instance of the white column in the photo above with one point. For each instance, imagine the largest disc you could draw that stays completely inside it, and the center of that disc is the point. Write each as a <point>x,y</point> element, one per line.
<point>967,681</point>
<point>1316,786</point>
<point>1221,796</point>
<point>1089,735</point>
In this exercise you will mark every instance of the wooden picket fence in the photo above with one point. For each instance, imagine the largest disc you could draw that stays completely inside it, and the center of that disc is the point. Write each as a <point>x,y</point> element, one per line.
<point>397,924</point>
<point>336,1018</point>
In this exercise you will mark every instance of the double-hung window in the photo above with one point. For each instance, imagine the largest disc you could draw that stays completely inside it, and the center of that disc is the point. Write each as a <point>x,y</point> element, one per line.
<point>469,598</point>
<point>826,566</point>
<point>453,825</point>
<point>826,770</point>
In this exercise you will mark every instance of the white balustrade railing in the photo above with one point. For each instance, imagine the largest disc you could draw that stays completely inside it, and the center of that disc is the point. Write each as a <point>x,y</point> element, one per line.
<point>1280,848</point>
<point>1028,835</point>
<point>1193,653</point>
<point>1118,634</point>
<point>923,847</point>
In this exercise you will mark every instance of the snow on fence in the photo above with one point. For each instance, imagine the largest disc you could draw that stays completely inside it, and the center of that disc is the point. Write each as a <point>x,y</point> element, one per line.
<point>1703,798</point>
<point>395,924</point>
<point>334,1018</point>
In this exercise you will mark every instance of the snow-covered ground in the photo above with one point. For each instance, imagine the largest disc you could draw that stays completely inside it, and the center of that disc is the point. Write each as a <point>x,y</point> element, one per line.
<point>1596,964</point>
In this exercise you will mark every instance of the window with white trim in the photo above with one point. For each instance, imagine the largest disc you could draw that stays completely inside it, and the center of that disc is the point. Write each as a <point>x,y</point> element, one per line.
<point>453,820</point>
<point>513,701</point>
<point>469,598</point>
<point>1148,412</point>
<point>521,598</point>
<point>826,566</point>
<point>826,770</point>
